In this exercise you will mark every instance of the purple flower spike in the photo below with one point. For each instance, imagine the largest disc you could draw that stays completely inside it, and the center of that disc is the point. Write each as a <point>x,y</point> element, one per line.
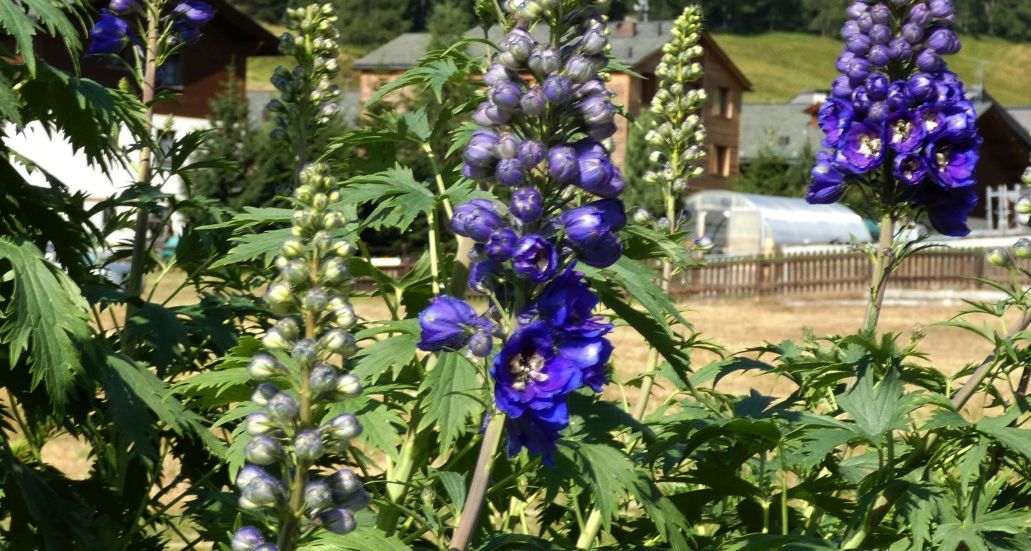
<point>531,153</point>
<point>535,258</point>
<point>506,96</point>
<point>597,173</point>
<point>533,102</point>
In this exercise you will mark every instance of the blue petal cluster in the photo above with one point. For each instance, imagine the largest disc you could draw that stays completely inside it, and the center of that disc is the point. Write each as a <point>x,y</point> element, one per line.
<point>110,33</point>
<point>898,111</point>
<point>540,147</point>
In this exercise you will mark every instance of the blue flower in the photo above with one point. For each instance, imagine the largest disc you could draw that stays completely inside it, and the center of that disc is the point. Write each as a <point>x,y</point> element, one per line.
<point>478,219</point>
<point>951,162</point>
<point>586,226</point>
<point>597,174</point>
<point>447,324</point>
<point>535,258</point>
<point>863,147</point>
<point>527,204</point>
<point>537,431</point>
<point>530,374</point>
<point>194,11</point>
<point>567,306</point>
<point>835,117</point>
<point>109,34</point>
<point>828,182</point>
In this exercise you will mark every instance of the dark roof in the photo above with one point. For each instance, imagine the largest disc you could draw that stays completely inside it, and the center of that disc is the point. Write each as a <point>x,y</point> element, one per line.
<point>784,128</point>
<point>647,39</point>
<point>264,42</point>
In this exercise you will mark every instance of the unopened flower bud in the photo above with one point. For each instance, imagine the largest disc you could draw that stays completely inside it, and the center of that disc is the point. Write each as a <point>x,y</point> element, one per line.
<point>264,393</point>
<point>308,446</point>
<point>263,367</point>
<point>247,538</point>
<point>999,257</point>
<point>337,341</point>
<point>259,424</point>
<point>338,521</point>
<point>317,496</point>
<point>263,450</point>
<point>305,352</point>
<point>283,408</point>
<point>1022,249</point>
<point>343,427</point>
<point>343,483</point>
<point>315,300</point>
<point>335,271</point>
<point>348,385</point>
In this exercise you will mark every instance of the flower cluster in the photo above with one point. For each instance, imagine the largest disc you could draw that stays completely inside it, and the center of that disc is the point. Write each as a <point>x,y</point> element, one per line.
<point>111,32</point>
<point>542,148</point>
<point>676,132</point>
<point>291,435</point>
<point>898,116</point>
<point>307,94</point>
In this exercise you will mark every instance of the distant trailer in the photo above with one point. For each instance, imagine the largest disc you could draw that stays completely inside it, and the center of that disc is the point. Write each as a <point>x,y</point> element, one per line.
<point>747,224</point>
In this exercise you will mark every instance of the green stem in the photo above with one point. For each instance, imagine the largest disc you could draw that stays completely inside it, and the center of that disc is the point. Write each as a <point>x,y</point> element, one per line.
<point>144,174</point>
<point>478,487</point>
<point>399,476</point>
<point>884,265</point>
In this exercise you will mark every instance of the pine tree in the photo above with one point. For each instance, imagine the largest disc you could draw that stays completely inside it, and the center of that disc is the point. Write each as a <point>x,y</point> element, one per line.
<point>370,23</point>
<point>448,21</point>
<point>260,166</point>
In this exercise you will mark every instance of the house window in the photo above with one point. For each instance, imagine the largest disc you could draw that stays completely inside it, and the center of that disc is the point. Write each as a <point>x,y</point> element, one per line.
<point>721,161</point>
<point>172,73</point>
<point>722,106</point>
<point>784,141</point>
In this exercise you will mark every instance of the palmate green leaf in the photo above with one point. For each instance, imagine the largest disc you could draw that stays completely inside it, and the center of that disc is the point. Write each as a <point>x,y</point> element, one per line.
<point>1016,439</point>
<point>10,103</point>
<point>877,408</point>
<point>264,246</point>
<point>379,420</point>
<point>399,198</point>
<point>365,538</point>
<point>604,470</point>
<point>455,486</point>
<point>398,349</point>
<point>17,23</point>
<point>136,385</point>
<point>520,542</point>
<point>452,394</point>
<point>45,318</point>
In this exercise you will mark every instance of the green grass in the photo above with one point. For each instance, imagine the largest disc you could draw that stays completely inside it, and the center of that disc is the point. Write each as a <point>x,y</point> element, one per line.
<point>259,69</point>
<point>780,65</point>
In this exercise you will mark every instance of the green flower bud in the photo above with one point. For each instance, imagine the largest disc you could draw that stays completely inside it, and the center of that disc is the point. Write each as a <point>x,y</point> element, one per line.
<point>308,446</point>
<point>292,248</point>
<point>259,424</point>
<point>315,300</point>
<point>338,341</point>
<point>349,386</point>
<point>274,340</point>
<point>343,427</point>
<point>999,257</point>
<point>263,394</point>
<point>263,450</point>
<point>263,367</point>
<point>1022,249</point>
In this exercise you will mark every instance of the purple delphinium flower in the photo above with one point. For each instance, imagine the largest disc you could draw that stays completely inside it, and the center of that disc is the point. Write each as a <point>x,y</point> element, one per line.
<point>540,150</point>
<point>194,11</point>
<point>911,114</point>
<point>121,7</point>
<point>535,258</point>
<point>109,34</point>
<point>447,324</point>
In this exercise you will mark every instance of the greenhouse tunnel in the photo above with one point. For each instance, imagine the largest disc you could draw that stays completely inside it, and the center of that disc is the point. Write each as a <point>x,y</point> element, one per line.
<point>746,224</point>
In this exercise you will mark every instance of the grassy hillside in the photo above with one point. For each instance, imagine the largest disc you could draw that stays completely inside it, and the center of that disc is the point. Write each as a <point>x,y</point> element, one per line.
<point>782,64</point>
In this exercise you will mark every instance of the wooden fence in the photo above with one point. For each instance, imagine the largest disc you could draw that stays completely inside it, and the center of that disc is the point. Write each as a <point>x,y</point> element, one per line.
<point>831,274</point>
<point>834,274</point>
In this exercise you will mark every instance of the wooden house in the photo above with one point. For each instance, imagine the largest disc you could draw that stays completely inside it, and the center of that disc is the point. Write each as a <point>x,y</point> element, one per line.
<point>198,72</point>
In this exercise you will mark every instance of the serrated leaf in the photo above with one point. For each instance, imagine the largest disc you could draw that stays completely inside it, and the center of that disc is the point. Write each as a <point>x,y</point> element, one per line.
<point>450,398</point>
<point>606,471</point>
<point>876,408</point>
<point>46,318</point>
<point>455,486</point>
<point>264,246</point>
<point>399,198</point>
